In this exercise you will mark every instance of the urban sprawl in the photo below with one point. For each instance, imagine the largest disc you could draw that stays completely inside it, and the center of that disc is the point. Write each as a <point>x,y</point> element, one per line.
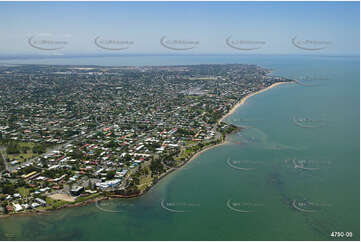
<point>72,134</point>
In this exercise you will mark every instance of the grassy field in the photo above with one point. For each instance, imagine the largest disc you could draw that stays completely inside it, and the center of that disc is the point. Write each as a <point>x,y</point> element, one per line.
<point>82,199</point>
<point>52,204</point>
<point>144,182</point>
<point>24,192</point>
<point>23,156</point>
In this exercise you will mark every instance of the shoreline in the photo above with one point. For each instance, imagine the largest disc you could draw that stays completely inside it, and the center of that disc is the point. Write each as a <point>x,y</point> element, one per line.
<point>244,99</point>
<point>183,165</point>
<point>115,196</point>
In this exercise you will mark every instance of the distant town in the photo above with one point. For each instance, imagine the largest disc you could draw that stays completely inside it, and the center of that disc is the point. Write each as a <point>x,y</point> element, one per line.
<point>70,135</point>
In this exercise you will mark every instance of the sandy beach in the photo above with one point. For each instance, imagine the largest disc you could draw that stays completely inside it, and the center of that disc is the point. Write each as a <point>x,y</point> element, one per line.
<point>204,150</point>
<point>244,99</point>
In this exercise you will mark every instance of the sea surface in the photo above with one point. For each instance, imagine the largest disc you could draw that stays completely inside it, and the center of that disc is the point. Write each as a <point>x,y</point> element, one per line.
<point>249,188</point>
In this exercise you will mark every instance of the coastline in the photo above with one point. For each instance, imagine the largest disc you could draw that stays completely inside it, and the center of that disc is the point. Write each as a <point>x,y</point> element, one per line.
<point>114,196</point>
<point>183,165</point>
<point>244,99</point>
<point>194,156</point>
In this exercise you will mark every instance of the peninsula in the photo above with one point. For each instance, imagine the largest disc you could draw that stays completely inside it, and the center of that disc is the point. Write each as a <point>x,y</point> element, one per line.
<point>70,135</point>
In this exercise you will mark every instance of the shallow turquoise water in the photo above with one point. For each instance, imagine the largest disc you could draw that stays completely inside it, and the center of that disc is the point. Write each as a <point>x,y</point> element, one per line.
<point>210,193</point>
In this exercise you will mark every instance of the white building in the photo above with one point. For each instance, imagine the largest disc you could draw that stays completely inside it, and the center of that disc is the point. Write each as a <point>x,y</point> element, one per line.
<point>17,207</point>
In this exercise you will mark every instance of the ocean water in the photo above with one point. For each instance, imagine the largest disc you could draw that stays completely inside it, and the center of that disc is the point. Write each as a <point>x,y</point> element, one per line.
<point>249,188</point>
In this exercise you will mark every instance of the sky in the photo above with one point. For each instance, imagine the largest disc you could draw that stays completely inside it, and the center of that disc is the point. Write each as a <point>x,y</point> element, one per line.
<point>82,28</point>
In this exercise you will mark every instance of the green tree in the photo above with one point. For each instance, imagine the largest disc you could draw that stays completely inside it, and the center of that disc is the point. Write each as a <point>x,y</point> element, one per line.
<point>110,174</point>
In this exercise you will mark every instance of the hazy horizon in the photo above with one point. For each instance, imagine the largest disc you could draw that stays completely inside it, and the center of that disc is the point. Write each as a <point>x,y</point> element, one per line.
<point>123,28</point>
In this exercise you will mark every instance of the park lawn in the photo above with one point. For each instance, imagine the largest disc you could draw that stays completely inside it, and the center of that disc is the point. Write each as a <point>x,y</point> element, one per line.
<point>30,145</point>
<point>23,191</point>
<point>51,204</point>
<point>191,142</point>
<point>82,199</point>
<point>22,157</point>
<point>186,152</point>
<point>144,182</point>
<point>183,155</point>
